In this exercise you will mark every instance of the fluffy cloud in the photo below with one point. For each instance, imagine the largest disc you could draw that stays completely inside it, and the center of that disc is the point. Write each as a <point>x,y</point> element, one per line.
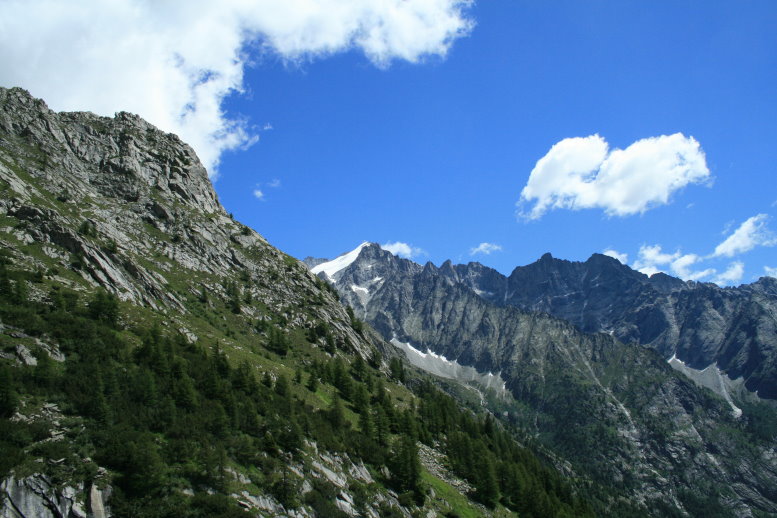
<point>682,268</point>
<point>770,272</point>
<point>258,194</point>
<point>485,248</point>
<point>753,232</point>
<point>732,275</point>
<point>583,173</point>
<point>174,62</point>
<point>653,260</point>
<point>623,258</point>
<point>402,249</point>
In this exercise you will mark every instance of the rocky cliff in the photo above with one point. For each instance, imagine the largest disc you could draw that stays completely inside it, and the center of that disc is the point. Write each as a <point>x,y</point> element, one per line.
<point>701,324</point>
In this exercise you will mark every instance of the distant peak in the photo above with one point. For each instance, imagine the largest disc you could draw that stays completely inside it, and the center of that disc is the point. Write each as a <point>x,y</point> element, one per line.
<point>546,257</point>
<point>330,268</point>
<point>602,258</point>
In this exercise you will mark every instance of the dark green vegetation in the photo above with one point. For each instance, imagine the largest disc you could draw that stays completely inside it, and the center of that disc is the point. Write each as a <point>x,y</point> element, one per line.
<point>166,416</point>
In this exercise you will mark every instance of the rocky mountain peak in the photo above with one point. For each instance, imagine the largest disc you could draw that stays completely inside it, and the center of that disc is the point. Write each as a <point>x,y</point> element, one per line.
<point>123,157</point>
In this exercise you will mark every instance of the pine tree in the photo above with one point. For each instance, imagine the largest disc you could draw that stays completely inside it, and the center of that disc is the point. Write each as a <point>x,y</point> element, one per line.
<point>312,383</point>
<point>8,398</point>
<point>365,424</point>
<point>104,307</point>
<point>406,467</point>
<point>397,369</point>
<point>336,413</point>
<point>486,483</point>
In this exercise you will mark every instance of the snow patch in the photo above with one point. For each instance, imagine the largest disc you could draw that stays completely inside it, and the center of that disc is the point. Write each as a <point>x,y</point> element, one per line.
<point>361,289</point>
<point>330,268</point>
<point>441,366</point>
<point>712,378</point>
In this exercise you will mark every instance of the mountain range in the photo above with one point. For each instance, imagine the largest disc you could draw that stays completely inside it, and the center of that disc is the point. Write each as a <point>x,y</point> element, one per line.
<point>582,348</point>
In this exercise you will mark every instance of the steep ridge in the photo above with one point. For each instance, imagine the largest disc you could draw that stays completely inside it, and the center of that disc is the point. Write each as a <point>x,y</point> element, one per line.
<point>158,358</point>
<point>616,411</point>
<point>701,324</point>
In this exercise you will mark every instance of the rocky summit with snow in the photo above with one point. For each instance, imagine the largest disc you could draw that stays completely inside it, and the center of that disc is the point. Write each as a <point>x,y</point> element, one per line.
<point>617,409</point>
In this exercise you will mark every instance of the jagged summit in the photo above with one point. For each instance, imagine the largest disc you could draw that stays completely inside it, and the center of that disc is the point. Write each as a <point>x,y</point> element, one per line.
<point>701,324</point>
<point>123,157</point>
<point>331,268</point>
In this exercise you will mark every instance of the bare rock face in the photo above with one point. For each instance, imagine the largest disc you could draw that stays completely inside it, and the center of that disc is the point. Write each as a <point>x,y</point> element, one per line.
<point>619,412</point>
<point>124,158</point>
<point>699,323</point>
<point>36,497</point>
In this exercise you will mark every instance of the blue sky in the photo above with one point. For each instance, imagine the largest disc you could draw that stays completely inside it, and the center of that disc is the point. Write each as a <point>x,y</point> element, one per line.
<point>433,146</point>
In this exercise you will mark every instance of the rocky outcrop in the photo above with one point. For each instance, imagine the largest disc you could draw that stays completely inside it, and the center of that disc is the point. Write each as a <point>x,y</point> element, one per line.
<point>88,201</point>
<point>36,497</point>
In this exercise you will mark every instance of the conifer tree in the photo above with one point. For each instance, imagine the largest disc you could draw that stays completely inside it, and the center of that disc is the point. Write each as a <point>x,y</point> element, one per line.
<point>8,398</point>
<point>486,483</point>
<point>336,413</point>
<point>397,369</point>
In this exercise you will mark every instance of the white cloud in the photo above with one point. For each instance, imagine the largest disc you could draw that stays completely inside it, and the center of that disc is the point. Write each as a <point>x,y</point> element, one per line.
<point>681,267</point>
<point>623,258</point>
<point>771,272</point>
<point>261,194</point>
<point>583,173</point>
<point>174,62</point>
<point>753,232</point>
<point>653,260</point>
<point>402,249</point>
<point>485,248</point>
<point>732,275</point>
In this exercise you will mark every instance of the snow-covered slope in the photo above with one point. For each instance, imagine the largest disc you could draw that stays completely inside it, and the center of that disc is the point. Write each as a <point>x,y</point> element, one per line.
<point>441,366</point>
<point>331,268</point>
<point>715,380</point>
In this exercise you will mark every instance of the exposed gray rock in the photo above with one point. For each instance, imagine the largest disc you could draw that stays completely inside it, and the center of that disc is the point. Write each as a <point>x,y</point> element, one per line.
<point>25,356</point>
<point>345,503</point>
<point>36,497</point>
<point>338,479</point>
<point>699,323</point>
<point>98,502</point>
<point>361,473</point>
